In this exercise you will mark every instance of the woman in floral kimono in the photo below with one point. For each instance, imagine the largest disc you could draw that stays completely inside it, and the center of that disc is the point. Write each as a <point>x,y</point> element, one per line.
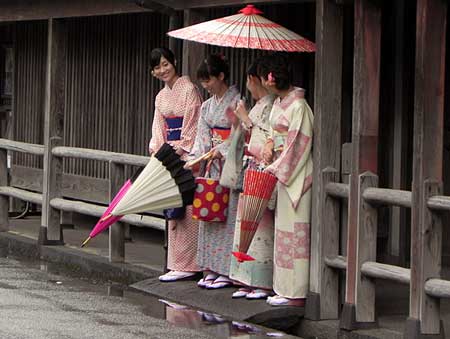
<point>289,147</point>
<point>177,108</point>
<point>255,275</point>
<point>215,239</point>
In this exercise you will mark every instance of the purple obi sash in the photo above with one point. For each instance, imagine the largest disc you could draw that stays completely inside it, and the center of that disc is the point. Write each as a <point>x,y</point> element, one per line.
<point>174,125</point>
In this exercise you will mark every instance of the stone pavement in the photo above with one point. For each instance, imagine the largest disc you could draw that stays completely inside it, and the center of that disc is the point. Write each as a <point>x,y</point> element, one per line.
<point>145,260</point>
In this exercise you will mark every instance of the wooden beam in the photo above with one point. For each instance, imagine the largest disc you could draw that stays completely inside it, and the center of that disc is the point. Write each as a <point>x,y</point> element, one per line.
<point>157,6</point>
<point>72,186</point>
<point>327,153</point>
<point>324,302</point>
<point>387,272</point>
<point>427,157</point>
<point>196,4</point>
<point>51,231</point>
<point>366,83</point>
<point>193,52</point>
<point>4,201</point>
<point>20,10</point>
<point>117,230</point>
<point>397,225</point>
<point>367,250</point>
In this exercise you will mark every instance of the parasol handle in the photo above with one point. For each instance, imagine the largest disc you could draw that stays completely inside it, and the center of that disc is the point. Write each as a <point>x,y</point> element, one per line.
<point>194,162</point>
<point>86,241</point>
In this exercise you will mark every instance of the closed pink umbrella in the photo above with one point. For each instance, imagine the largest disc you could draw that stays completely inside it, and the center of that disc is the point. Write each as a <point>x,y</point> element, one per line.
<point>107,219</point>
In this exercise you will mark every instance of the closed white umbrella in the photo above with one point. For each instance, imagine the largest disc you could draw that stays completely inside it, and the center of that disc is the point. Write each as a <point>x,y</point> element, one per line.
<point>164,183</point>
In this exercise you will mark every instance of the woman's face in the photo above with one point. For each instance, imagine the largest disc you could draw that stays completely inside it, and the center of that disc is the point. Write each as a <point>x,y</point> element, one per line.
<point>269,85</point>
<point>214,84</point>
<point>165,71</point>
<point>252,84</point>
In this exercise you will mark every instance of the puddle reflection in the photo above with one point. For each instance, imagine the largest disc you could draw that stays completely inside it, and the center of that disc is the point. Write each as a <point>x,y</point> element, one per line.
<point>214,324</point>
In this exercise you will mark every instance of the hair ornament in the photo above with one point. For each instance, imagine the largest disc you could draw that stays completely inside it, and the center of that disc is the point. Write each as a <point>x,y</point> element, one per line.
<point>270,77</point>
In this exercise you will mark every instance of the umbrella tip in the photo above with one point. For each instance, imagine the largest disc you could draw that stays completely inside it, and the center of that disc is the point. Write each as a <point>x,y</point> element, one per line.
<point>85,242</point>
<point>250,10</point>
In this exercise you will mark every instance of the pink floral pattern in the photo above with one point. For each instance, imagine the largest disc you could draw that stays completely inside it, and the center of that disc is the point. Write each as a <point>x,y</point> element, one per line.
<point>296,144</point>
<point>301,240</point>
<point>290,246</point>
<point>284,249</point>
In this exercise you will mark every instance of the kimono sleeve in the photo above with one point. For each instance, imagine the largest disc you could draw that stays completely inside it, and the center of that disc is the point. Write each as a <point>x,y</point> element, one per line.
<point>229,113</point>
<point>158,130</point>
<point>202,142</point>
<point>190,119</point>
<point>297,148</point>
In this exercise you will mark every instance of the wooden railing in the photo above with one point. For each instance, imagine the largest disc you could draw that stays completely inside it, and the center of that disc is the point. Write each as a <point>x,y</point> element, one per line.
<point>117,162</point>
<point>427,252</point>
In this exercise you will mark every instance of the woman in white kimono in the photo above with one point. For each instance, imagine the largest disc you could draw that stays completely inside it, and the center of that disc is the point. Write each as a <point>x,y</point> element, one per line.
<point>255,275</point>
<point>177,108</point>
<point>216,239</point>
<point>289,151</point>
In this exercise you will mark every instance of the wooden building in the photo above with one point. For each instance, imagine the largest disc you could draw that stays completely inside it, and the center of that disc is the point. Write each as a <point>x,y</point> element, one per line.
<point>76,103</point>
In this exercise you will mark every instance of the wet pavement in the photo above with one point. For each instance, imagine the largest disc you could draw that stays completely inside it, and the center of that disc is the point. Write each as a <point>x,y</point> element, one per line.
<point>43,300</point>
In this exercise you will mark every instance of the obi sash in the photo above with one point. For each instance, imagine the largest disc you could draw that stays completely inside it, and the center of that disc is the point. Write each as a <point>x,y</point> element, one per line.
<point>174,126</point>
<point>219,135</point>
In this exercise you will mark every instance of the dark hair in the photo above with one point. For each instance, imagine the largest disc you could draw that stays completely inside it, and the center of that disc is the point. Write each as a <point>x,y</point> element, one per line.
<point>279,66</point>
<point>213,66</point>
<point>156,55</point>
<point>252,70</point>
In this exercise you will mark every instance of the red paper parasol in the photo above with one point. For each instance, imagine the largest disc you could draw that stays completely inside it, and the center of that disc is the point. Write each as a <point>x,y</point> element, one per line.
<point>245,30</point>
<point>258,189</point>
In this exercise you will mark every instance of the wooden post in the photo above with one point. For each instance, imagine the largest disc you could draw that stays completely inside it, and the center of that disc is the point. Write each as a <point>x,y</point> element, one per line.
<point>366,83</point>
<point>4,200</point>
<point>367,251</point>
<point>397,231</point>
<point>327,144</point>
<point>346,167</point>
<point>117,230</point>
<point>174,23</point>
<point>193,52</point>
<point>51,231</point>
<point>326,300</point>
<point>427,158</point>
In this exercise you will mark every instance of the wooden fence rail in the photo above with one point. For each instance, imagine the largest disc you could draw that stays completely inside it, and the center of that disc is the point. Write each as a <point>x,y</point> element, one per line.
<point>56,201</point>
<point>370,197</point>
<point>85,153</point>
<point>385,196</point>
<point>22,147</point>
<point>440,203</point>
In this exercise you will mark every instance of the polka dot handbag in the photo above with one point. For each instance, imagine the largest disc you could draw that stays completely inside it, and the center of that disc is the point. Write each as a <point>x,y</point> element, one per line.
<point>210,198</point>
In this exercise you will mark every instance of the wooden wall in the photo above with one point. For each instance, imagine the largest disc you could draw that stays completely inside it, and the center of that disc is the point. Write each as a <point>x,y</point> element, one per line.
<point>30,60</point>
<point>110,90</point>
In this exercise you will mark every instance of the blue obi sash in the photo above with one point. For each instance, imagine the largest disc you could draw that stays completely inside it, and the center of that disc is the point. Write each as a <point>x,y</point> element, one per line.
<point>174,126</point>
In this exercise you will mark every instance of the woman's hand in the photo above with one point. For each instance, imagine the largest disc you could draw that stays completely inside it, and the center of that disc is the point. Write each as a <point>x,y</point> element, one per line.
<point>241,111</point>
<point>179,151</point>
<point>242,114</point>
<point>267,153</point>
<point>216,155</point>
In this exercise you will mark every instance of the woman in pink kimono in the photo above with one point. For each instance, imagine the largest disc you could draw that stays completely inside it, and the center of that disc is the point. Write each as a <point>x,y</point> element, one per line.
<point>175,120</point>
<point>256,275</point>
<point>289,151</point>
<point>214,126</point>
